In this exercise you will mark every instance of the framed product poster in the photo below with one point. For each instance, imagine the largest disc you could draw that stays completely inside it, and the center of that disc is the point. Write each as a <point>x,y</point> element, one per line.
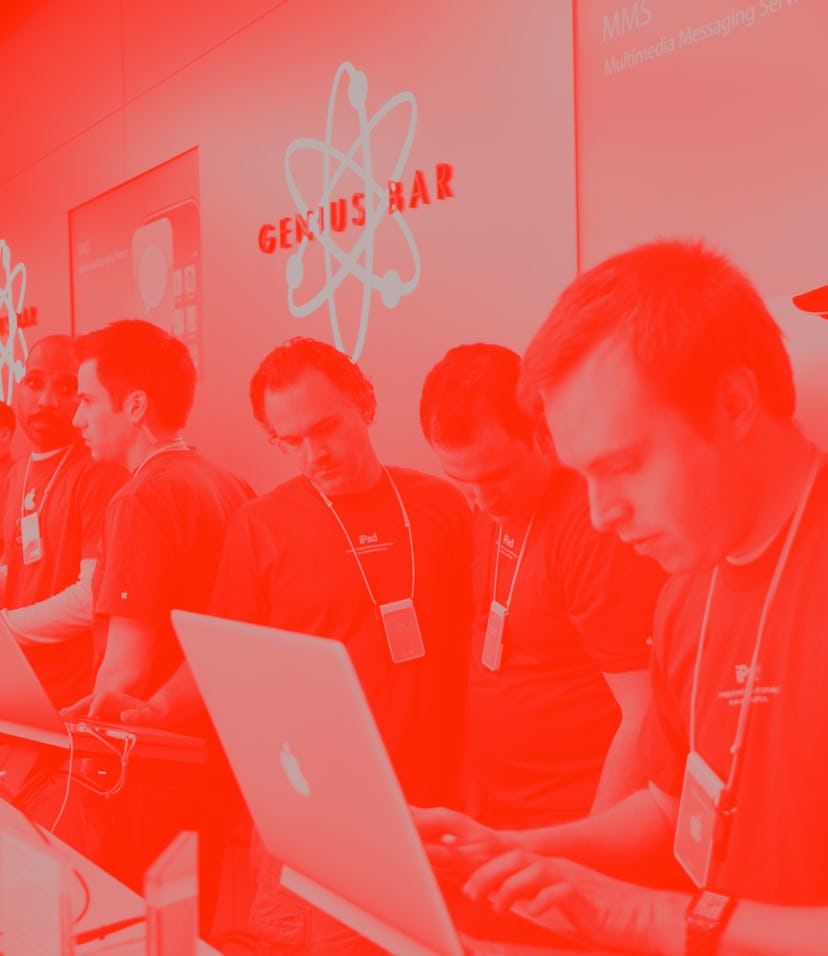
<point>136,253</point>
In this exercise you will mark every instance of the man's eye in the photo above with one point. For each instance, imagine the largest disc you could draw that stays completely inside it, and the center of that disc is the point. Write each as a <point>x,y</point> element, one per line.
<point>322,429</point>
<point>623,467</point>
<point>35,382</point>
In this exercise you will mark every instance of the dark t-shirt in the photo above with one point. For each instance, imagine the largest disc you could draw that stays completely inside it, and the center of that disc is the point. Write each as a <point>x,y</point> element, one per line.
<point>162,538</point>
<point>70,521</point>
<point>539,727</point>
<point>287,564</point>
<point>6,464</point>
<point>779,839</point>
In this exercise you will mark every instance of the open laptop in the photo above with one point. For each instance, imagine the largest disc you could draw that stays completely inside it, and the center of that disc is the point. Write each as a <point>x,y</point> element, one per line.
<point>309,759</point>
<point>27,712</point>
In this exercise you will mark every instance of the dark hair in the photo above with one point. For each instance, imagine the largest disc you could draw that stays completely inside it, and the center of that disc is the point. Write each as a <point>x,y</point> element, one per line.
<point>7,416</point>
<point>687,314</point>
<point>469,387</point>
<point>286,363</point>
<point>131,355</point>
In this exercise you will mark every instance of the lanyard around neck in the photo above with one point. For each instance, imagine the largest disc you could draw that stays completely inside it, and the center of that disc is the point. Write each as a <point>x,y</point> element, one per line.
<point>354,552</point>
<point>49,484</point>
<point>518,563</point>
<point>744,711</point>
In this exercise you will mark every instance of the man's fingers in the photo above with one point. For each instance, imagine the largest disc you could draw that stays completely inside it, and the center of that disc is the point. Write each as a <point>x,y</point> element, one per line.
<point>556,896</point>
<point>516,876</point>
<point>524,885</point>
<point>98,706</point>
<point>489,878</point>
<point>142,716</point>
<point>439,856</point>
<point>79,709</point>
<point>434,822</point>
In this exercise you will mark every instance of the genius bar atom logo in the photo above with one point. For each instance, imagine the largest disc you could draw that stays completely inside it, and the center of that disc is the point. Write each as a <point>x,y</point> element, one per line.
<point>12,294</point>
<point>353,241</point>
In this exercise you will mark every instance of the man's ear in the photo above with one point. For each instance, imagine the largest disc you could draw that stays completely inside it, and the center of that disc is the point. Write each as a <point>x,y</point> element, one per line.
<point>135,405</point>
<point>5,434</point>
<point>737,400</point>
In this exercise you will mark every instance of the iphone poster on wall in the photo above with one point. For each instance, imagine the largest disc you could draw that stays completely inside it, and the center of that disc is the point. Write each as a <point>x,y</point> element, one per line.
<point>136,253</point>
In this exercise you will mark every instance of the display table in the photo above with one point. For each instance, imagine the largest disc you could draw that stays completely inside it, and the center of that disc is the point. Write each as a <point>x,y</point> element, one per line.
<point>109,901</point>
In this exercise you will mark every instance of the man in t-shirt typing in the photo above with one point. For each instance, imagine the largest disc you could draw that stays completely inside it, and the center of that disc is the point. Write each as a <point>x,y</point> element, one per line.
<point>558,675</point>
<point>374,556</point>
<point>161,542</point>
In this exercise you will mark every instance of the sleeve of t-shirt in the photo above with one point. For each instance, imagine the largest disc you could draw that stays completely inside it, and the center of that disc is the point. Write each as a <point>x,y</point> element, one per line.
<point>664,743</point>
<point>95,487</point>
<point>610,593</point>
<point>239,592</point>
<point>140,557</point>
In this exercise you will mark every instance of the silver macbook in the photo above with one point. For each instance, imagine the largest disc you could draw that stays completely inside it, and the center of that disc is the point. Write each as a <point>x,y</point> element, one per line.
<point>27,712</point>
<point>309,759</point>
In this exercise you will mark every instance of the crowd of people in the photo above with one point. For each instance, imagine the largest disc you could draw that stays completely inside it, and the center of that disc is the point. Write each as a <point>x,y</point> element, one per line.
<point>602,689</point>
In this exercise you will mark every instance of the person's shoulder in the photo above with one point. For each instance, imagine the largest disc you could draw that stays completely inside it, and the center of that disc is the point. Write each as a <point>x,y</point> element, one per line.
<point>186,468</point>
<point>422,483</point>
<point>280,503</point>
<point>220,476</point>
<point>435,506</point>
<point>563,512</point>
<point>87,474</point>
<point>680,602</point>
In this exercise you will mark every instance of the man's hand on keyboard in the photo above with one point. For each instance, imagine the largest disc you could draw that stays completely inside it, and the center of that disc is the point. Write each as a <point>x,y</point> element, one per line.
<point>119,707</point>
<point>455,842</point>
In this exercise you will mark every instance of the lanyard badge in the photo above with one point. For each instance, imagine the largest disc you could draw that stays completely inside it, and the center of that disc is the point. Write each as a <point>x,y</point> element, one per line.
<point>496,622</point>
<point>493,641</point>
<point>402,630</point>
<point>30,539</point>
<point>697,825</point>
<point>399,618</point>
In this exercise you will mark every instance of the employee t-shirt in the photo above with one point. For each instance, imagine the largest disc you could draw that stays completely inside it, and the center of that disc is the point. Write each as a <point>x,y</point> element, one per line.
<point>70,519</point>
<point>162,537</point>
<point>539,727</point>
<point>779,838</point>
<point>288,564</point>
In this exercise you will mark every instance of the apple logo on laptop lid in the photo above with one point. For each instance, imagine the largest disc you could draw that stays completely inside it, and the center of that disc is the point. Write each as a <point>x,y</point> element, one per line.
<point>293,771</point>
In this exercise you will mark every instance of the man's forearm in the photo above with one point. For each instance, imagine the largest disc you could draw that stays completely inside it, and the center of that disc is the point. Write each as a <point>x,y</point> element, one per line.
<point>127,662</point>
<point>632,840</point>
<point>59,617</point>
<point>622,774</point>
<point>179,698</point>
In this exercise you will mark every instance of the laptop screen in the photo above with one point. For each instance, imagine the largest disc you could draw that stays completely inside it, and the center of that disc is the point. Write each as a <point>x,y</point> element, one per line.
<point>310,762</point>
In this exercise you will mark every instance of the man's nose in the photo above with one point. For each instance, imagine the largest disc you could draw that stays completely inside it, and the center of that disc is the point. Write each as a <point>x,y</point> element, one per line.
<point>48,397</point>
<point>607,508</point>
<point>315,450</point>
